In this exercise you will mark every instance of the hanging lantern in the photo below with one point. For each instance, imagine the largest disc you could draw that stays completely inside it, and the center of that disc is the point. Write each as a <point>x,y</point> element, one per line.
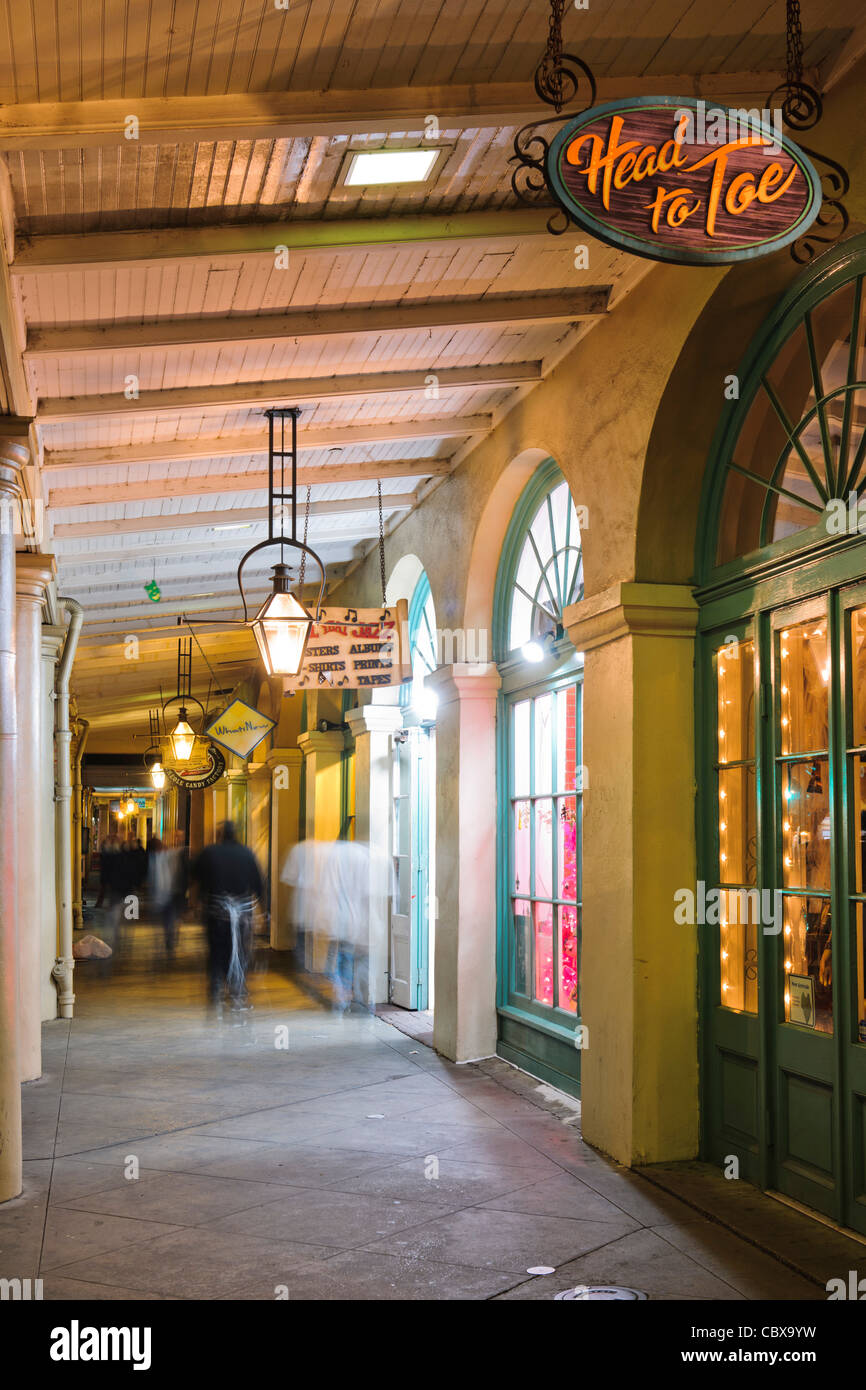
<point>182,738</point>
<point>281,627</point>
<point>157,776</point>
<point>130,806</point>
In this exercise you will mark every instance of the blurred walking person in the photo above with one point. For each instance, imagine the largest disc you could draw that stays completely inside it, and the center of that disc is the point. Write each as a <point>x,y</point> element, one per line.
<point>229,880</point>
<point>166,881</point>
<point>112,890</point>
<point>339,893</point>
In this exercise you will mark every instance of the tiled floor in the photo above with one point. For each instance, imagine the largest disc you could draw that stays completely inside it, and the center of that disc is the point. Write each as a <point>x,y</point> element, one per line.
<point>172,1157</point>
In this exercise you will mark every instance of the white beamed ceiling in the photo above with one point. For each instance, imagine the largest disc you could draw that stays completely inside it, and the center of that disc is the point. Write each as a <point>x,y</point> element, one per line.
<point>247,115</point>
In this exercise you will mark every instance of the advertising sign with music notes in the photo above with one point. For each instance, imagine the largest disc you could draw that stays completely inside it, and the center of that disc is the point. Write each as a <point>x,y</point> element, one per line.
<point>356,649</point>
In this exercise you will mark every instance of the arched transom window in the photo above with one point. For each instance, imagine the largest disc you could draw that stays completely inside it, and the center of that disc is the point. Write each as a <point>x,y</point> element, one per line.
<point>794,446</point>
<point>547,572</point>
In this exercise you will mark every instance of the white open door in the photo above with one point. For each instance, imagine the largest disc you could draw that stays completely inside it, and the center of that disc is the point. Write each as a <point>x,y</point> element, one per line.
<point>403,989</point>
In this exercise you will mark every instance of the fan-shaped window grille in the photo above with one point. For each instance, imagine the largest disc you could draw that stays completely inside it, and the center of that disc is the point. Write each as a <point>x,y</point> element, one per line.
<point>798,437</point>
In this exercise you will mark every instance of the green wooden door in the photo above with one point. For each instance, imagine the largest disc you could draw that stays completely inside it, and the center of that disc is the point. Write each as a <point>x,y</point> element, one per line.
<point>783,836</point>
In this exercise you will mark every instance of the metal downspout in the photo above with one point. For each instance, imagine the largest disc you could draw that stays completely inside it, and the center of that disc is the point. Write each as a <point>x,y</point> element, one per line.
<point>64,964</point>
<point>77,809</point>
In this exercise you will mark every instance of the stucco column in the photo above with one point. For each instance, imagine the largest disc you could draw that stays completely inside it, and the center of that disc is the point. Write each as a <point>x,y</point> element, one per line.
<point>32,574</point>
<point>464,1019</point>
<point>372,727</point>
<point>13,457</point>
<point>196,821</point>
<point>285,771</point>
<point>237,800</point>
<point>639,1067</point>
<point>52,644</point>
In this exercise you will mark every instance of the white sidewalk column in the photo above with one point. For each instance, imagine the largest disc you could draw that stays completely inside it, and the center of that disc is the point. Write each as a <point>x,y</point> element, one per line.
<point>52,643</point>
<point>13,457</point>
<point>373,727</point>
<point>465,964</point>
<point>32,575</point>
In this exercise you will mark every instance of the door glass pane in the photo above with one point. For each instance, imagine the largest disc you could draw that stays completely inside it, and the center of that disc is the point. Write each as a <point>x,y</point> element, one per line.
<point>543,886</point>
<point>543,743</point>
<point>568,958</point>
<point>806,823</point>
<point>544,953</point>
<point>566,738</point>
<point>804,685</point>
<point>737,832</point>
<point>521,846</point>
<point>858,677</point>
<point>520,748</point>
<point>859,920</point>
<point>736,683</point>
<point>567,849</point>
<point>521,925</point>
<point>808,964</point>
<point>858,827</point>
<point>738,933</point>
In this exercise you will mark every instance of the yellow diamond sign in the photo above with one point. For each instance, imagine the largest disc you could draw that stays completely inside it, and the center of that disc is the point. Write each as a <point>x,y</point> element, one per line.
<point>240,728</point>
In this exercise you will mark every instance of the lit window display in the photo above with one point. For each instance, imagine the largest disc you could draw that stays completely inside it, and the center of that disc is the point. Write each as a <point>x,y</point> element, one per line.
<point>804,781</point>
<point>545,824</point>
<point>738,926</point>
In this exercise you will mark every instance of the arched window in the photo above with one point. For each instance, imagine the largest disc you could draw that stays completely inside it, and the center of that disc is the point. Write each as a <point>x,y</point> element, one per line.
<point>539,783</point>
<point>541,571</point>
<point>423,650</point>
<point>793,438</point>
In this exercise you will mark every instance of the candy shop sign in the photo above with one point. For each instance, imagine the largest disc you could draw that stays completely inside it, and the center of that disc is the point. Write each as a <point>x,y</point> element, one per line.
<point>650,176</point>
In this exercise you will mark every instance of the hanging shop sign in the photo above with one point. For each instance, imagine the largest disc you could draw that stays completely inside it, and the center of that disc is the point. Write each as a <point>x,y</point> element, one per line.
<point>674,180</point>
<point>356,649</point>
<point>240,728</point>
<point>195,778</point>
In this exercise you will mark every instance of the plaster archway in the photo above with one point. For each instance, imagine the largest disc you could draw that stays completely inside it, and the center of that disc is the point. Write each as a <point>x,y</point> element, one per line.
<point>490,534</point>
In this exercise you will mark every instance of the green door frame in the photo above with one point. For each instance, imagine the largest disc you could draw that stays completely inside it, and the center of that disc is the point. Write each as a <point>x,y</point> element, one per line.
<point>538,1039</point>
<point>749,1061</point>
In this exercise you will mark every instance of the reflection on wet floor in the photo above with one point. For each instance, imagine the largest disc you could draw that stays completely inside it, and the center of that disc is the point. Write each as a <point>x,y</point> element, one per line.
<point>292,1152</point>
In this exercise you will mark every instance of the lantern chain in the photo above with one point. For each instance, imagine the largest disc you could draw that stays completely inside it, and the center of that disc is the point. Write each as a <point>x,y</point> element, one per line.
<point>304,551</point>
<point>794,42</point>
<point>381,544</point>
<point>552,60</point>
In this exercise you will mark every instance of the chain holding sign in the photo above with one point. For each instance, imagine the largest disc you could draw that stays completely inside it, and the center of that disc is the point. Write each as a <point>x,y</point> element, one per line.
<point>356,649</point>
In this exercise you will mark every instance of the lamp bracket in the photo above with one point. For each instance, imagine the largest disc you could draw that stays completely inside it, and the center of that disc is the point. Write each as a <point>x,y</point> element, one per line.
<point>282,541</point>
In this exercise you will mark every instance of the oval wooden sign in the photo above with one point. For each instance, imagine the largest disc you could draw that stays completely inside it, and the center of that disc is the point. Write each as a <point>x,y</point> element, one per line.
<point>677,180</point>
<point>202,776</point>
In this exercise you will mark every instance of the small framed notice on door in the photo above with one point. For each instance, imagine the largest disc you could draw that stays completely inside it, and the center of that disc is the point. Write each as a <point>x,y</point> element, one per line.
<point>801,1009</point>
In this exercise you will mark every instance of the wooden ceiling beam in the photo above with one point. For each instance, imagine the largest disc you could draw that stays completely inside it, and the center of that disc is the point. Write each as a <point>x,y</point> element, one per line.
<point>254,444</point>
<point>206,484</point>
<point>62,410</point>
<point>183,521</point>
<point>278,115</point>
<point>220,329</point>
<point>37,255</point>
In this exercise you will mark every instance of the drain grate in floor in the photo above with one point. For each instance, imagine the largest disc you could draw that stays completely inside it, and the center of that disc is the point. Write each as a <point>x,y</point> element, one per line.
<point>606,1293</point>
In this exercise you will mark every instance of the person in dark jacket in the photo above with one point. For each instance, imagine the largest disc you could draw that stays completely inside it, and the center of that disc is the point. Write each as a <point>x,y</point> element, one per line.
<point>228,880</point>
